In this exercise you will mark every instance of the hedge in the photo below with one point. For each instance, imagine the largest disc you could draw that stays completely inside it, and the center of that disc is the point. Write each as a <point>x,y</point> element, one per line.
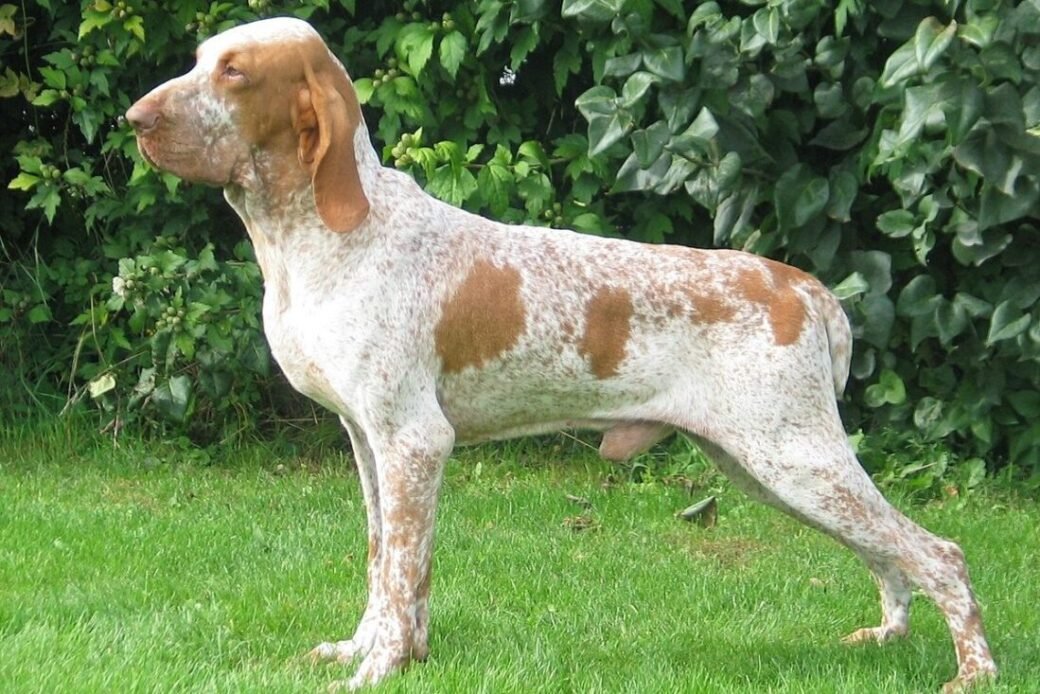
<point>891,148</point>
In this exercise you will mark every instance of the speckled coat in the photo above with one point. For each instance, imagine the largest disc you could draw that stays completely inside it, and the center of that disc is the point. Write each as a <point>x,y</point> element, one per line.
<point>424,326</point>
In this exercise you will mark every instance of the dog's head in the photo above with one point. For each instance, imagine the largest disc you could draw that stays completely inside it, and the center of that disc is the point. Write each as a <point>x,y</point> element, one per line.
<point>267,108</point>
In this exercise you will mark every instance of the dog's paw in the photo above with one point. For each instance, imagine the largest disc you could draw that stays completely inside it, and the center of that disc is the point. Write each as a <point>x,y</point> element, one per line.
<point>873,635</point>
<point>376,666</point>
<point>970,680</point>
<point>343,652</point>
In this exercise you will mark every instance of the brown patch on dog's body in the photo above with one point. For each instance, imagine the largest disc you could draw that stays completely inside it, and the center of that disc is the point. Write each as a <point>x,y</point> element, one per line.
<point>711,309</point>
<point>608,324</point>
<point>482,319</point>
<point>773,288</point>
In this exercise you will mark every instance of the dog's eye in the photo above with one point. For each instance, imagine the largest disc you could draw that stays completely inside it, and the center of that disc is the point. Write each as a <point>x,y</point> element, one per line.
<point>233,73</point>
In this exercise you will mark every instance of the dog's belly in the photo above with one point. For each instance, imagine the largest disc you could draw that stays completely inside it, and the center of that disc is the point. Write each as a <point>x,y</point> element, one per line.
<point>492,403</point>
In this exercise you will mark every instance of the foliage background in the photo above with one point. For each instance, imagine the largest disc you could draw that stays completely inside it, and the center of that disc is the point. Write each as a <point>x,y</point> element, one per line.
<point>889,147</point>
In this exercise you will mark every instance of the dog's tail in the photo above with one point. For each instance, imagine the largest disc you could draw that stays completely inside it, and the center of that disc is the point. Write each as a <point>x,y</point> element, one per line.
<point>839,336</point>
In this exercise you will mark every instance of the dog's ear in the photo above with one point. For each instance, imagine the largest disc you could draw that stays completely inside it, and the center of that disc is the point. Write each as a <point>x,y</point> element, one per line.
<point>326,116</point>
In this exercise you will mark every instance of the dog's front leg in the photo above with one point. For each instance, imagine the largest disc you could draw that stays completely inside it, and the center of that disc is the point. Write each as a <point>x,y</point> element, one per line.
<point>360,643</point>
<point>409,460</point>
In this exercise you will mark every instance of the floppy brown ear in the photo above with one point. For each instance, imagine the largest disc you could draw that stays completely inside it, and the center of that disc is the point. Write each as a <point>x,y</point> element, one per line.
<point>327,115</point>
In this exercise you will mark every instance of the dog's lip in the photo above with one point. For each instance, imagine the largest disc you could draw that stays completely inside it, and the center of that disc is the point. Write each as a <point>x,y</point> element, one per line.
<point>142,147</point>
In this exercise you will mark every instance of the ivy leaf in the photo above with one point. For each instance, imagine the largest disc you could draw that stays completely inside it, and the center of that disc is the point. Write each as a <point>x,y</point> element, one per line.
<point>1008,321</point>
<point>173,398</point>
<point>593,10</point>
<point>896,223</point>
<point>852,286</point>
<point>608,122</point>
<point>931,40</point>
<point>452,52</point>
<point>767,24</point>
<point>879,315</point>
<point>918,297</point>
<point>900,66</point>
<point>649,143</point>
<point>622,66</point>
<point>799,196</point>
<point>844,187</point>
<point>665,62</point>
<point>698,135</point>
<point>875,267</point>
<point>636,87</point>
<point>889,390</point>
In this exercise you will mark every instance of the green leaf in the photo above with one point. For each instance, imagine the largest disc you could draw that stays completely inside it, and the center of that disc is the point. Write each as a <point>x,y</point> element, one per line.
<point>767,24</point>
<point>918,297</point>
<point>633,175</point>
<point>839,135</point>
<point>135,25</point>
<point>665,62</point>
<point>875,267</point>
<point>452,52</point>
<point>900,66</point>
<point>523,44</point>
<point>853,285</point>
<point>415,47</point>
<point>608,122</point>
<point>93,20</point>
<point>706,13</point>
<point>698,135</point>
<point>46,198</point>
<point>649,143</point>
<point>931,40</point>
<point>173,398</point>
<point>896,223</point>
<point>24,181</point>
<point>566,62</point>
<point>364,88</point>
<point>844,186</point>
<point>879,315</point>
<point>40,313</point>
<point>636,87</point>
<point>47,97</point>
<point>812,200</point>
<point>889,390</point>
<point>101,384</point>
<point>951,320</point>
<point>799,196</point>
<point>593,10</point>
<point>1008,321</point>
<point>622,66</point>
<point>998,208</point>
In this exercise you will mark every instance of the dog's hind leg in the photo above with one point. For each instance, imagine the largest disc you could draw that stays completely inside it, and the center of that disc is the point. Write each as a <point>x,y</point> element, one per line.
<point>808,470</point>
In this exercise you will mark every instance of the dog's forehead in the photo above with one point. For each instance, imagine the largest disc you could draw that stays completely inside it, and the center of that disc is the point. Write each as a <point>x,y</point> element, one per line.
<point>279,30</point>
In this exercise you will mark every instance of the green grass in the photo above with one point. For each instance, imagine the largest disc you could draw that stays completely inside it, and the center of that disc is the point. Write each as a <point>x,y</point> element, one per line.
<point>132,568</point>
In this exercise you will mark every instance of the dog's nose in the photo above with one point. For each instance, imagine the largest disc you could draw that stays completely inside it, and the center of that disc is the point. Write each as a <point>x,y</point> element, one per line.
<point>142,116</point>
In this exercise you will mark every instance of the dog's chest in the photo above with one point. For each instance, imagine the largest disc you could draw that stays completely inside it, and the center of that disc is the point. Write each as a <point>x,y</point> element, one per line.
<point>299,345</point>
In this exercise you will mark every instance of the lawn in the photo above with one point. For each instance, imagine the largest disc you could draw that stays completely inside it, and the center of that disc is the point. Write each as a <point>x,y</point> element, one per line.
<point>137,567</point>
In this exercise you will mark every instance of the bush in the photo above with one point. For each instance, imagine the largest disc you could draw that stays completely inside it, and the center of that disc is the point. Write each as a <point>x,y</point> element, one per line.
<point>890,148</point>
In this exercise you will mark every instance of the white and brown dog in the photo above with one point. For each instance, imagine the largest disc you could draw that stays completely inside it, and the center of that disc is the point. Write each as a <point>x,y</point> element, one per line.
<point>424,326</point>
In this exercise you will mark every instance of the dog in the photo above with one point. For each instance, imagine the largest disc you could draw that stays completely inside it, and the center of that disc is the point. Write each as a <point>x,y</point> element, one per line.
<point>423,326</point>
